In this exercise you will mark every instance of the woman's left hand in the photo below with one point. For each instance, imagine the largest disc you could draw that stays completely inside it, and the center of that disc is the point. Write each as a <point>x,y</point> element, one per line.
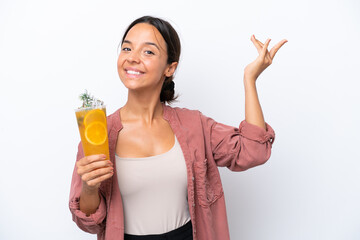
<point>265,58</point>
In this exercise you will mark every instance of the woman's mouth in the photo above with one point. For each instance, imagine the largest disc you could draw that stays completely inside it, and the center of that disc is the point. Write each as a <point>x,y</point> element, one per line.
<point>133,72</point>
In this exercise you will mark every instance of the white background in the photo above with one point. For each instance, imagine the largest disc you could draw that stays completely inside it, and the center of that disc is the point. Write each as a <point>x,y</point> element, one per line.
<point>50,51</point>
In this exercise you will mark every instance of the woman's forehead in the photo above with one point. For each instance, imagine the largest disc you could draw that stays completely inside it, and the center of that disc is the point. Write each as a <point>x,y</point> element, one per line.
<point>144,33</point>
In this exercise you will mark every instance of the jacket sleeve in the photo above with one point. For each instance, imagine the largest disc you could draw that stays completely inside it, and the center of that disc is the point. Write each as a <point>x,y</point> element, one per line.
<point>238,148</point>
<point>94,223</point>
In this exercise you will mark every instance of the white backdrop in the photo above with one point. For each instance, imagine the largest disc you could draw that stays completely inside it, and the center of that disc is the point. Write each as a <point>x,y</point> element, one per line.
<point>50,51</point>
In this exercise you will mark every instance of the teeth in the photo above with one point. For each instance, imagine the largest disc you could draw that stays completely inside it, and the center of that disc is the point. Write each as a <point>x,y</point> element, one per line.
<point>133,72</point>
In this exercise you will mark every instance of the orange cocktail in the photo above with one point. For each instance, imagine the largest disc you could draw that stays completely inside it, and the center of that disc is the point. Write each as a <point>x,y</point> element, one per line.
<point>93,130</point>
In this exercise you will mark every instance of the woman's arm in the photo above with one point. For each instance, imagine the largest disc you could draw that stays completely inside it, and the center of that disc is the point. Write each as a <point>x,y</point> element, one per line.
<point>87,206</point>
<point>93,170</point>
<point>253,111</point>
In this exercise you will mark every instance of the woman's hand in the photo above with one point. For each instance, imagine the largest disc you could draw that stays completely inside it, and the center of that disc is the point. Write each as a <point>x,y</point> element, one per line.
<point>93,170</point>
<point>253,111</point>
<point>265,58</point>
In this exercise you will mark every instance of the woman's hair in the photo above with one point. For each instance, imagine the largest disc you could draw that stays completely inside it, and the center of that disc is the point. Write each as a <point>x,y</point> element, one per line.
<point>173,51</point>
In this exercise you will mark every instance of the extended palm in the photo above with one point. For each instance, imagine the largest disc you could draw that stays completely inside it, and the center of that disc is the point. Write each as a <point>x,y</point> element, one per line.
<point>265,58</point>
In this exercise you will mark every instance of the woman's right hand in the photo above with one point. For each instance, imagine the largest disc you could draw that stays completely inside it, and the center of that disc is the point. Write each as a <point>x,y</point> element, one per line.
<point>93,170</point>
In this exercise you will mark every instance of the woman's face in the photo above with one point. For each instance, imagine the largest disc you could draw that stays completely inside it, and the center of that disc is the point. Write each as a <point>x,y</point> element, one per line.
<point>142,61</point>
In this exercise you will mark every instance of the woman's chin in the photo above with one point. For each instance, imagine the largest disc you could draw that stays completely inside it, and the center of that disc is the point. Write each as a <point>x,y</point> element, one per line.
<point>132,84</point>
<point>135,87</point>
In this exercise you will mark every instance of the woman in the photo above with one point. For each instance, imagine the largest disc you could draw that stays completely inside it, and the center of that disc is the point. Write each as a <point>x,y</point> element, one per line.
<point>162,181</point>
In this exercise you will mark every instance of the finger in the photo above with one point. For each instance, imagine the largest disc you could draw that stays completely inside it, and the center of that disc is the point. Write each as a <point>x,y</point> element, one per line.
<point>260,43</point>
<point>276,48</point>
<point>92,158</point>
<point>265,47</point>
<point>94,165</point>
<point>96,174</point>
<point>257,43</point>
<point>95,181</point>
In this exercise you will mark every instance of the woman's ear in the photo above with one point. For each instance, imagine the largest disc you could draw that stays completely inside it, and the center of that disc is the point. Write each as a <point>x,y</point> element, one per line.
<point>171,69</point>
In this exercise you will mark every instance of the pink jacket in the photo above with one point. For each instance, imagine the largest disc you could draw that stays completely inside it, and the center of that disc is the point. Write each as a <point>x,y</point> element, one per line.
<point>206,144</point>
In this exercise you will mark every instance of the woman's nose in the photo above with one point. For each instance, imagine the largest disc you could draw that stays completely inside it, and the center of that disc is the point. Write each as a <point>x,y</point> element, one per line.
<point>133,57</point>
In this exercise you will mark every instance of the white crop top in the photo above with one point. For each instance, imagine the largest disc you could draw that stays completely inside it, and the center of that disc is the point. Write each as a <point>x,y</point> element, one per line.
<point>154,192</point>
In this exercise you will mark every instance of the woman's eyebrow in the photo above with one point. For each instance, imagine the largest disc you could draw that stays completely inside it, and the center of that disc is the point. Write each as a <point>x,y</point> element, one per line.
<point>147,43</point>
<point>154,44</point>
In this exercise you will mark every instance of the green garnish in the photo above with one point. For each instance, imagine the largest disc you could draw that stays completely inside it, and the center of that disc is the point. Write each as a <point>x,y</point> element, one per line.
<point>89,101</point>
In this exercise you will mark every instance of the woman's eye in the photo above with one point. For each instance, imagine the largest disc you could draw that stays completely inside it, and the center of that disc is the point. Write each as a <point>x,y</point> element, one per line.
<point>149,52</point>
<point>126,49</point>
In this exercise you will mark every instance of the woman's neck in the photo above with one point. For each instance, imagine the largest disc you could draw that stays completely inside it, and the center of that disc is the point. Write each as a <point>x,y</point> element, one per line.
<point>141,108</point>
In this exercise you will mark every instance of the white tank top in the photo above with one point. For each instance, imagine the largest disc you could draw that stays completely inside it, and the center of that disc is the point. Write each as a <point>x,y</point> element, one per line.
<point>154,192</point>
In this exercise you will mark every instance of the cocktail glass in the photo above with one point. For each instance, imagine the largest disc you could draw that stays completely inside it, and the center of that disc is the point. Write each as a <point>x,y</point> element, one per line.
<point>93,130</point>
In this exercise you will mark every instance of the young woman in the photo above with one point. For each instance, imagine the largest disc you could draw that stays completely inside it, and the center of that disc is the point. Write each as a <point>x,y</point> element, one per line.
<point>162,181</point>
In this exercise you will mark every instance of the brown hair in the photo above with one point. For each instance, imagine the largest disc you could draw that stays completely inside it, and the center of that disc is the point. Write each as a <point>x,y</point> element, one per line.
<point>172,40</point>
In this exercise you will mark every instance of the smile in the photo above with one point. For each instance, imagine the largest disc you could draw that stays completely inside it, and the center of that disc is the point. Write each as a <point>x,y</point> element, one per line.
<point>133,71</point>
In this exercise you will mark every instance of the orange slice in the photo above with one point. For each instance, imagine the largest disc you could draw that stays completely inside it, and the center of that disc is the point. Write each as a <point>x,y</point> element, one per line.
<point>95,133</point>
<point>94,115</point>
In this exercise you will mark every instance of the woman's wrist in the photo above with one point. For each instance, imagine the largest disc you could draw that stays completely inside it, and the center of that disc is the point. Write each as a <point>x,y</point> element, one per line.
<point>249,85</point>
<point>89,200</point>
<point>89,190</point>
<point>249,81</point>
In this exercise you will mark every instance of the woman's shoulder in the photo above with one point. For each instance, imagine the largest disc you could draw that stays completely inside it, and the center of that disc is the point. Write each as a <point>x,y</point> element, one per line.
<point>114,114</point>
<point>183,112</point>
<point>188,116</point>
<point>114,119</point>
